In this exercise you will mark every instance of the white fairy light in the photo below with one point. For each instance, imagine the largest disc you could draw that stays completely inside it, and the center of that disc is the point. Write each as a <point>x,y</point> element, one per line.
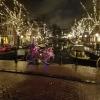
<point>86,24</point>
<point>16,17</point>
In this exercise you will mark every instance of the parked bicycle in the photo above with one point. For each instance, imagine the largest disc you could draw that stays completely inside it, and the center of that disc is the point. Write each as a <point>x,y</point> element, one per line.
<point>38,55</point>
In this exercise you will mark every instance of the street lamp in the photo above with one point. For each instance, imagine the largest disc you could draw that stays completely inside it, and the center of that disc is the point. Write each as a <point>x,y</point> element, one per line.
<point>18,39</point>
<point>97,37</point>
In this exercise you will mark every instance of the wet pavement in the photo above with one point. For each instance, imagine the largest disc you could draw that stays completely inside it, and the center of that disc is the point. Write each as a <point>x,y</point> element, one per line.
<point>52,82</point>
<point>67,71</point>
<point>25,87</point>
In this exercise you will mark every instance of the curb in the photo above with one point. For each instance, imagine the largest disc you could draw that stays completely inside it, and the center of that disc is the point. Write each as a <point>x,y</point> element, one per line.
<point>75,79</point>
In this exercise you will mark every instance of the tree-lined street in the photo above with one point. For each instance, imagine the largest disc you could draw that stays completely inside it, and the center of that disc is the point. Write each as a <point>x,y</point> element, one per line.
<point>41,59</point>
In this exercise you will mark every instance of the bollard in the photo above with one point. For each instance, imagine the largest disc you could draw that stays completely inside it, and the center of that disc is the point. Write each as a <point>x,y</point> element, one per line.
<point>98,63</point>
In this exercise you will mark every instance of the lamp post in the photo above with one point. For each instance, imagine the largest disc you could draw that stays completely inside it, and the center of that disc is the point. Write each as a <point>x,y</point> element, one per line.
<point>98,49</point>
<point>21,39</point>
<point>97,36</point>
<point>18,39</point>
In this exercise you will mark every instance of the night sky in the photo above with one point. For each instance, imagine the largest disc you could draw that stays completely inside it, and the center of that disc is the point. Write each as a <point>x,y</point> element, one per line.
<point>61,12</point>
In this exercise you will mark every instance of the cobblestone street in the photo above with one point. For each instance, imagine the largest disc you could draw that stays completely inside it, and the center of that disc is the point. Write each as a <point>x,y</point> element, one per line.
<point>53,82</point>
<point>26,87</point>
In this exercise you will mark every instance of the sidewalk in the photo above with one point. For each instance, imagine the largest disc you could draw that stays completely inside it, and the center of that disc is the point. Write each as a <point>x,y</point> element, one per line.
<point>67,71</point>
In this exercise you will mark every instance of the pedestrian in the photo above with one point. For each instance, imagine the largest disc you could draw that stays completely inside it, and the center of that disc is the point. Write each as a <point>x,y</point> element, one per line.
<point>33,53</point>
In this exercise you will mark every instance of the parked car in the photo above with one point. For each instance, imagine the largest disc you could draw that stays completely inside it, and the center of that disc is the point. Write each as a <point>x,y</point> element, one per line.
<point>5,48</point>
